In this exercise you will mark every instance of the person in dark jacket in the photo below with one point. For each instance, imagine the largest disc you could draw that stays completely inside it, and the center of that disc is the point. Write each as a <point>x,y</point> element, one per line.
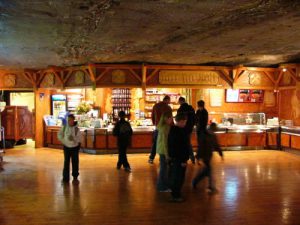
<point>204,157</point>
<point>201,123</point>
<point>123,132</point>
<point>178,148</point>
<point>189,111</point>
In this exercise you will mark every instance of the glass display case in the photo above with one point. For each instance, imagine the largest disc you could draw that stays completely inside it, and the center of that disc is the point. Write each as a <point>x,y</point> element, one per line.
<point>243,118</point>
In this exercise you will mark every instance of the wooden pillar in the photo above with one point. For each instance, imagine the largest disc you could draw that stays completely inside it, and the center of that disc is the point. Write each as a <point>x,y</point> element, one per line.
<point>42,107</point>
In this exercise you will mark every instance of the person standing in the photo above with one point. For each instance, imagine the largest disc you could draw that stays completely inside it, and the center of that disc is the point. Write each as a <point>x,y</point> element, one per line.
<point>201,122</point>
<point>163,128</point>
<point>178,148</point>
<point>70,137</point>
<point>189,111</point>
<point>123,132</point>
<point>204,157</point>
<point>157,110</point>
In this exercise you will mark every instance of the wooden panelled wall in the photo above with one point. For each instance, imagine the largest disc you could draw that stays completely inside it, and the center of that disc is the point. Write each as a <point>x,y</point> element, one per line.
<point>283,80</point>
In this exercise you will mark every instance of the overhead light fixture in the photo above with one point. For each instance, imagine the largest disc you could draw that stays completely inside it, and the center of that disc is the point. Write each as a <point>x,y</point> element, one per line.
<point>284,69</point>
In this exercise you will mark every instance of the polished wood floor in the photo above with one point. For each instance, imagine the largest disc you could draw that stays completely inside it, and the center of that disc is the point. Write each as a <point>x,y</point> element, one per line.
<point>255,187</point>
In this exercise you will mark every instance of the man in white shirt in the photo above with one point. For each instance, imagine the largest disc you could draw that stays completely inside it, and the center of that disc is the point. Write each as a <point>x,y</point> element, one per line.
<point>70,137</point>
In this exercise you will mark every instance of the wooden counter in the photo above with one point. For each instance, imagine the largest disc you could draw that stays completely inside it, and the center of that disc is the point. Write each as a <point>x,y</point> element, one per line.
<point>290,138</point>
<point>101,141</point>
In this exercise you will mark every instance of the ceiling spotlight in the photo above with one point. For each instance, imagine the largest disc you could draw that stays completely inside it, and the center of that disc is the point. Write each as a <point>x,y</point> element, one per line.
<point>284,69</point>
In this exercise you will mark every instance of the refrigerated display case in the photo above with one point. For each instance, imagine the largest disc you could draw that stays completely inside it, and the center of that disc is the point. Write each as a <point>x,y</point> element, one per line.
<point>58,104</point>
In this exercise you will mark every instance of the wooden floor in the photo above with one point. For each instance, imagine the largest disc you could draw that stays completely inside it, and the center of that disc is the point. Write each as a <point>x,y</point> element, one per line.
<point>255,187</point>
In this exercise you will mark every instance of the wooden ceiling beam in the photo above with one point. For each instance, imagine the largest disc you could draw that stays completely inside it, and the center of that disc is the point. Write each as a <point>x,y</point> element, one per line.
<point>270,76</point>
<point>238,74</point>
<point>91,73</point>
<point>28,77</point>
<point>258,69</point>
<point>117,66</point>
<point>227,74</point>
<point>152,74</point>
<point>69,73</point>
<point>144,76</point>
<point>188,67</point>
<point>226,78</point>
<point>40,77</point>
<point>293,74</point>
<point>279,78</point>
<point>102,74</point>
<point>135,75</point>
<point>58,76</point>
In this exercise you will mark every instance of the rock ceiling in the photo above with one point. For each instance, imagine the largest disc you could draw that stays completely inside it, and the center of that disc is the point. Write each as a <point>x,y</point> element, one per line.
<point>39,33</point>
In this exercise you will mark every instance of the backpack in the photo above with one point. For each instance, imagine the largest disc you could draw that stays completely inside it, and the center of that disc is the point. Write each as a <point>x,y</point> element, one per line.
<point>191,115</point>
<point>125,129</point>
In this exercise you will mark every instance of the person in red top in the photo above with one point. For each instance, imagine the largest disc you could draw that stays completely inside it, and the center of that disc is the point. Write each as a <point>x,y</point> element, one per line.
<point>157,111</point>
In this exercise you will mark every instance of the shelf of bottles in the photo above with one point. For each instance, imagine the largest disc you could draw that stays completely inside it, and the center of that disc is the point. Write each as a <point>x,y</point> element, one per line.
<point>121,101</point>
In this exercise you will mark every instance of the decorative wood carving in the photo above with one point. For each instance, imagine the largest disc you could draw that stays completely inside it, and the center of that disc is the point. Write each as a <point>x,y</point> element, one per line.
<point>254,78</point>
<point>49,80</point>
<point>10,80</point>
<point>79,77</point>
<point>118,77</point>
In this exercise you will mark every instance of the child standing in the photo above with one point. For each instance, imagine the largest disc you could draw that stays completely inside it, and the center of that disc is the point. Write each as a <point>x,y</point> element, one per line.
<point>123,132</point>
<point>204,156</point>
<point>178,148</point>
<point>163,128</point>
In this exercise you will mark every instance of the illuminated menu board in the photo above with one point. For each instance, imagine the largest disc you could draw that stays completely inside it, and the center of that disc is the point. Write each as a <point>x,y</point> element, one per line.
<point>244,95</point>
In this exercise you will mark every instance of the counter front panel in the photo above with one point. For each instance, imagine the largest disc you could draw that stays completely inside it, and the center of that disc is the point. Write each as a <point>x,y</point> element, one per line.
<point>101,140</point>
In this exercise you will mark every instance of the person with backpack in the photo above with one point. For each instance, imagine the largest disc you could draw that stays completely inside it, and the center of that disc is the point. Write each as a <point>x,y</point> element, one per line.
<point>70,137</point>
<point>189,111</point>
<point>123,132</point>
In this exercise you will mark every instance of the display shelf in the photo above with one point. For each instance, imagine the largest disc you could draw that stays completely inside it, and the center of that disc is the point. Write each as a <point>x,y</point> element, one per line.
<point>154,96</point>
<point>121,101</point>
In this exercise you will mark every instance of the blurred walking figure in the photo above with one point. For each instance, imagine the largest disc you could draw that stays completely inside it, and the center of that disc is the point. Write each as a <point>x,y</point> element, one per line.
<point>189,111</point>
<point>201,122</point>
<point>123,132</point>
<point>163,128</point>
<point>204,156</point>
<point>157,110</point>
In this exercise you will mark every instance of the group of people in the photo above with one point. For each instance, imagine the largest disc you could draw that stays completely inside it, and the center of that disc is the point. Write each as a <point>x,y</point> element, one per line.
<point>172,141</point>
<point>173,144</point>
